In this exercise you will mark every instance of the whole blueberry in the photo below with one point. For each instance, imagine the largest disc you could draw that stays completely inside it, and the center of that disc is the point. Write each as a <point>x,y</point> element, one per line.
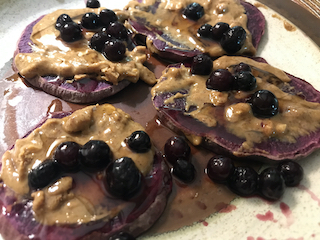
<point>243,181</point>
<point>271,184</point>
<point>123,178</point>
<point>194,11</point>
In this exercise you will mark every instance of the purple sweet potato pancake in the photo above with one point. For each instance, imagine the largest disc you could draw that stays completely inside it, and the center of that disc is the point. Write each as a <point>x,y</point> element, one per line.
<point>82,91</point>
<point>219,140</point>
<point>17,220</point>
<point>170,49</point>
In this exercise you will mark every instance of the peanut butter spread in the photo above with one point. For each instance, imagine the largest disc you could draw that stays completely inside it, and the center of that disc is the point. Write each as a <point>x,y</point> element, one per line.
<point>167,17</point>
<point>60,202</point>
<point>52,56</point>
<point>296,117</point>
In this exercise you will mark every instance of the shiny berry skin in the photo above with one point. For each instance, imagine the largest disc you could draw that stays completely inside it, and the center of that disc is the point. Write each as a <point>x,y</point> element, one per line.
<point>123,178</point>
<point>218,30</point>
<point>201,64</point>
<point>122,236</point>
<point>139,141</point>
<point>107,16</point>
<point>118,30</point>
<point>233,40</point>
<point>44,174</point>
<point>194,11</point>
<point>71,32</point>
<point>61,20</point>
<point>219,168</point>
<point>93,4</point>
<point>184,170</point>
<point>221,80</point>
<point>291,172</point>
<point>114,50</point>
<point>244,81</point>
<point>90,21</point>
<point>271,184</point>
<point>243,181</point>
<point>95,155</point>
<point>205,31</point>
<point>99,39</point>
<point>242,67</point>
<point>264,104</point>
<point>67,155</point>
<point>176,148</point>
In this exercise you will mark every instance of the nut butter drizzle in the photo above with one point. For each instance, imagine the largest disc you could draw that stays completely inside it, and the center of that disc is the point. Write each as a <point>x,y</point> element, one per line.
<point>52,56</point>
<point>287,126</point>
<point>60,203</point>
<point>168,18</point>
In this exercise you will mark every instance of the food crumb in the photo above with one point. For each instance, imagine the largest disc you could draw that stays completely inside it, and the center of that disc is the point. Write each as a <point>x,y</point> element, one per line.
<point>288,26</point>
<point>260,5</point>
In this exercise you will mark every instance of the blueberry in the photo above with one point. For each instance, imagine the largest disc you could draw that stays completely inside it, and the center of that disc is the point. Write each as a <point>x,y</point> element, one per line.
<point>118,30</point>
<point>107,16</point>
<point>93,4</point>
<point>242,67</point>
<point>201,64</point>
<point>61,20</point>
<point>95,155</point>
<point>44,174</point>
<point>71,32</point>
<point>114,50</point>
<point>90,21</point>
<point>218,30</point>
<point>221,80</point>
<point>139,141</point>
<point>220,168</point>
<point>184,170</point>
<point>233,40</point>
<point>122,236</point>
<point>243,181</point>
<point>244,81</point>
<point>271,184</point>
<point>176,148</point>
<point>99,39</point>
<point>194,11</point>
<point>67,155</point>
<point>291,171</point>
<point>123,178</point>
<point>264,104</point>
<point>205,31</point>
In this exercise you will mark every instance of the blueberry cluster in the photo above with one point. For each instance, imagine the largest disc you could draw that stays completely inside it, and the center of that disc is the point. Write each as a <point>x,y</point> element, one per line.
<point>230,39</point>
<point>245,181</point>
<point>241,79</point>
<point>123,178</point>
<point>177,153</point>
<point>264,103</point>
<point>110,36</point>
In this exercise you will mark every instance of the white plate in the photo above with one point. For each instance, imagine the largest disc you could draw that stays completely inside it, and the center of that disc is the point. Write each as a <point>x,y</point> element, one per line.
<point>296,215</point>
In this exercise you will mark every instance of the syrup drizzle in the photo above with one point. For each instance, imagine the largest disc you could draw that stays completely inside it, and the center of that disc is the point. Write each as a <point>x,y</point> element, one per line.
<point>268,216</point>
<point>312,194</point>
<point>200,198</point>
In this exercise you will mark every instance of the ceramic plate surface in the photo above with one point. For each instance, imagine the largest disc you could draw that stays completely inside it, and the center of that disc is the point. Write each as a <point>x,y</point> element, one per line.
<point>296,215</point>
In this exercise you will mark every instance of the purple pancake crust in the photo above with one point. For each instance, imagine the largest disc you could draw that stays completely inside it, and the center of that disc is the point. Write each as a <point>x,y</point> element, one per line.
<point>18,222</point>
<point>222,142</point>
<point>83,91</point>
<point>256,25</point>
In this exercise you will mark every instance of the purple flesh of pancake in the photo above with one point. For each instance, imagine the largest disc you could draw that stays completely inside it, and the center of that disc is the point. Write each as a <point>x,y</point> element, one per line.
<point>82,91</point>
<point>18,222</point>
<point>256,25</point>
<point>218,140</point>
